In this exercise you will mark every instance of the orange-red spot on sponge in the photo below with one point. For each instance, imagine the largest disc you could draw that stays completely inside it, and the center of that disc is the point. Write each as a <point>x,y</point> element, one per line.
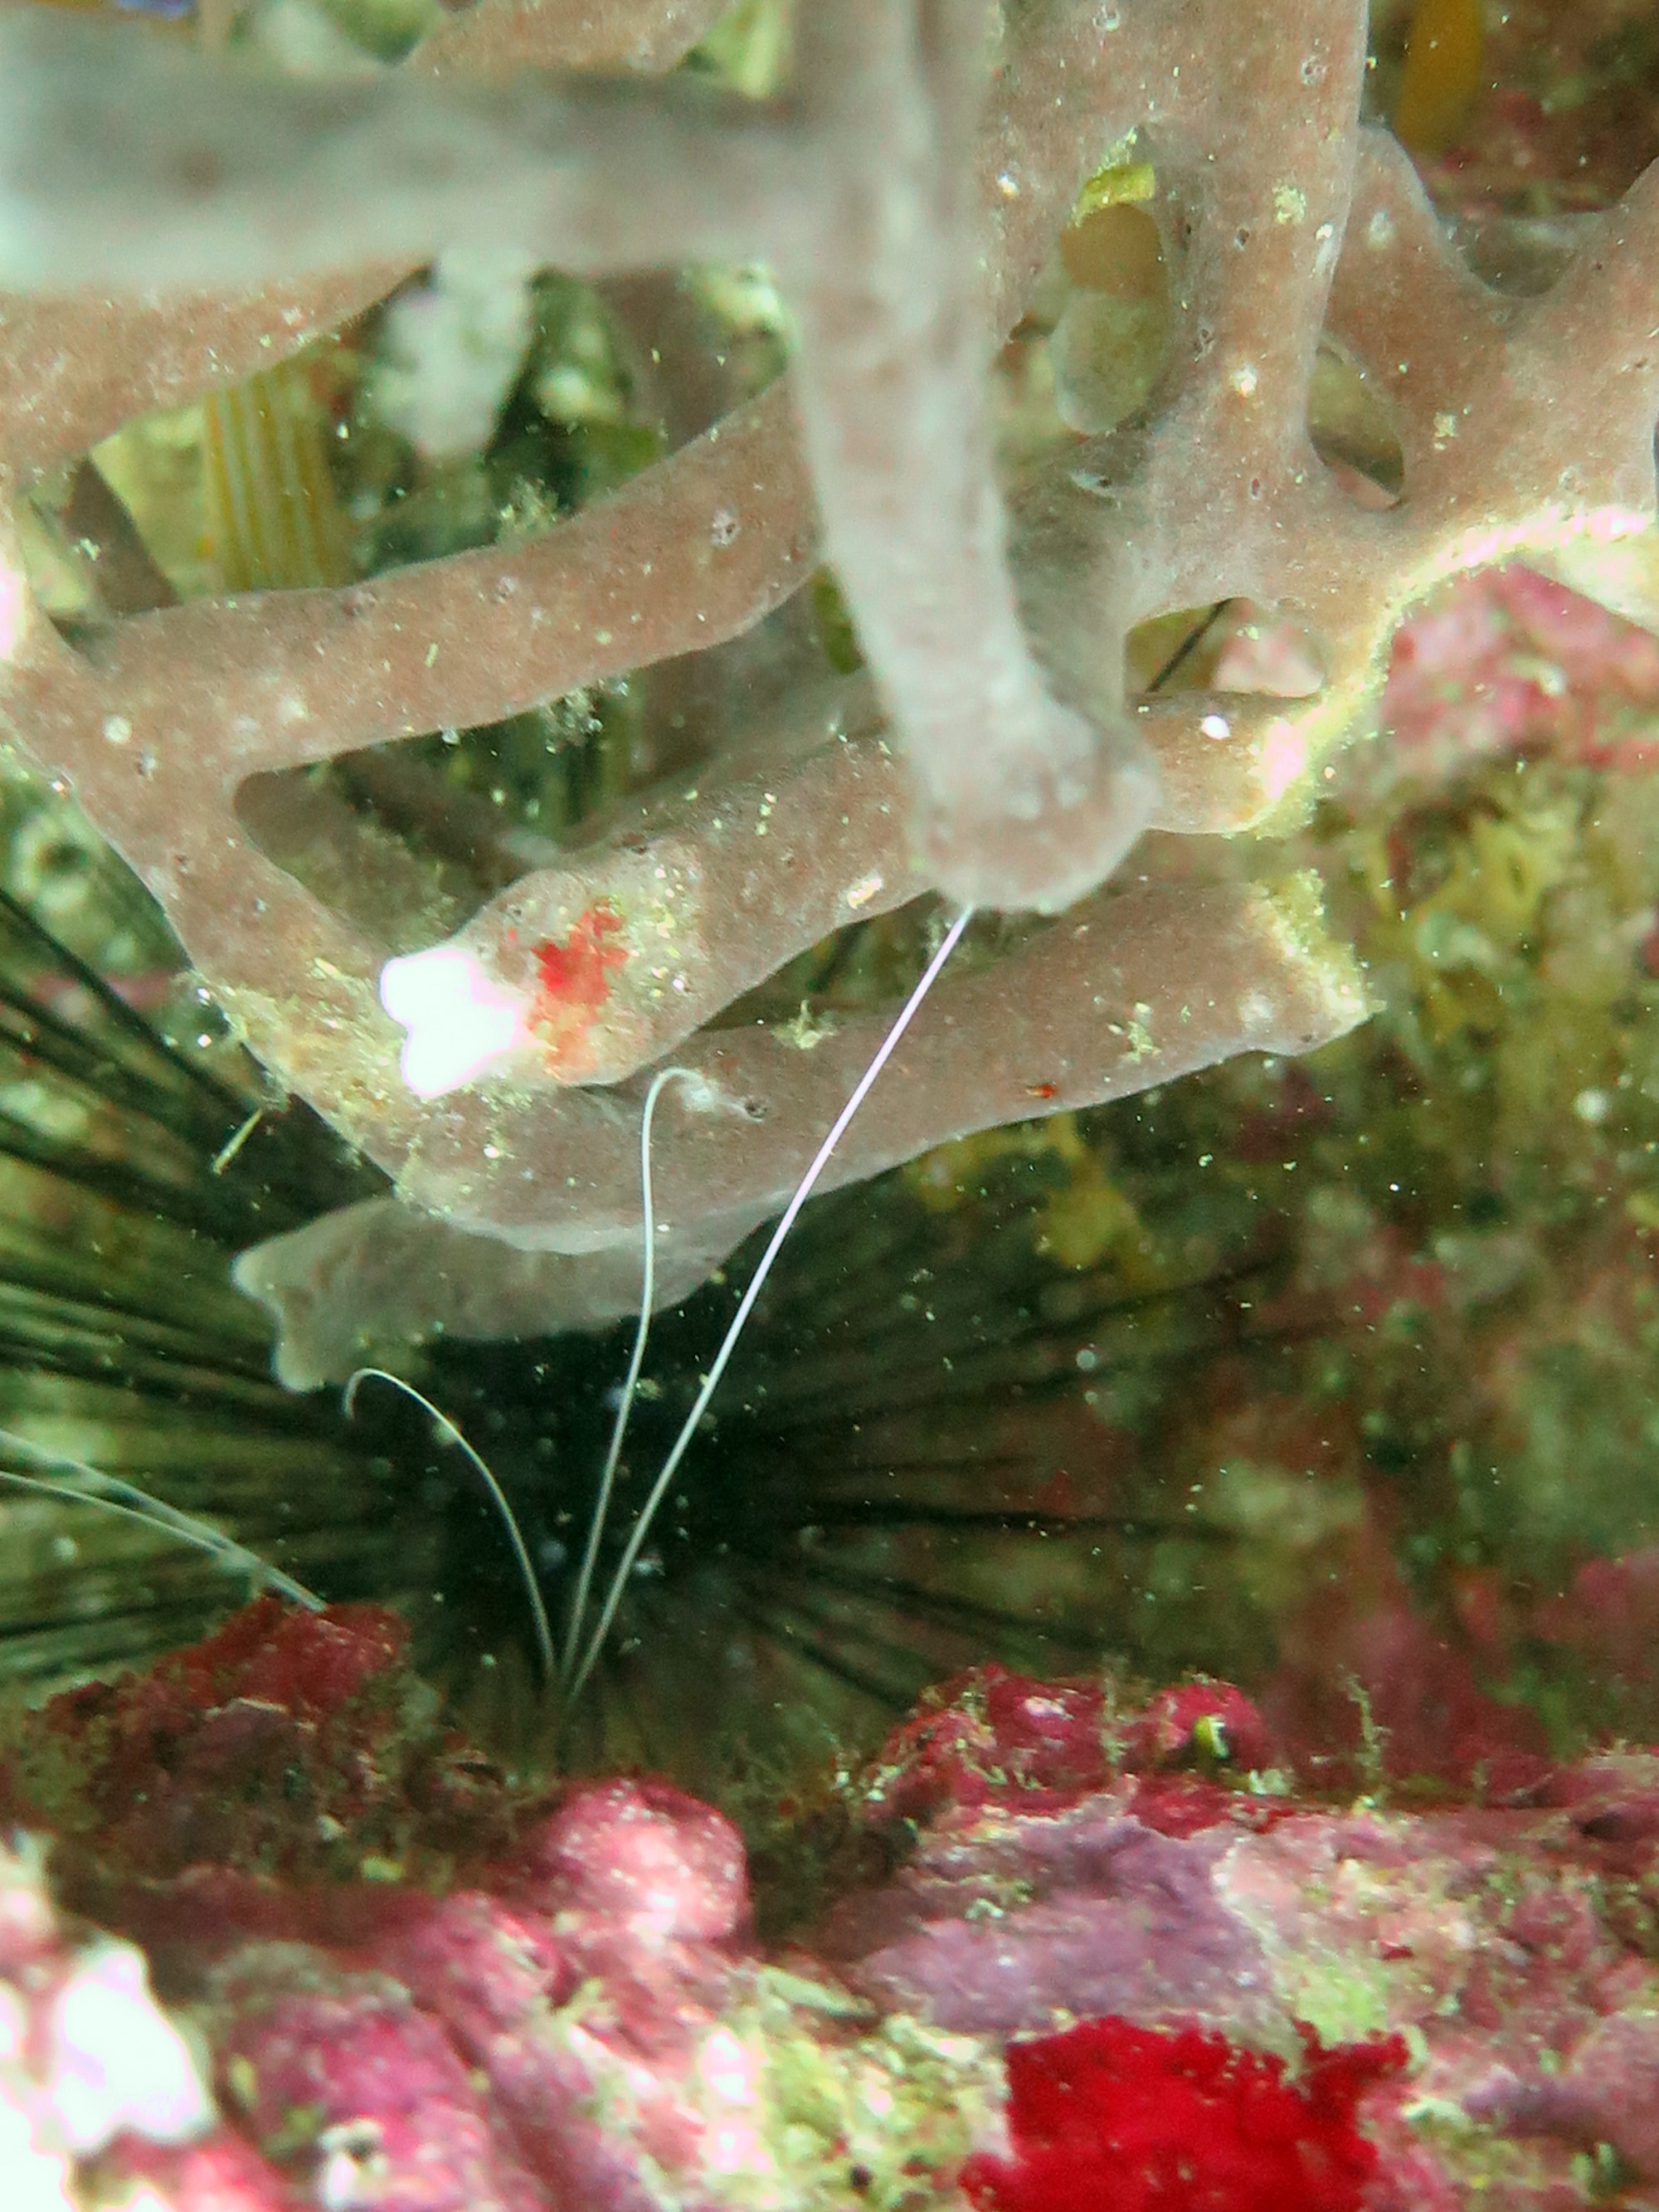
<point>573,979</point>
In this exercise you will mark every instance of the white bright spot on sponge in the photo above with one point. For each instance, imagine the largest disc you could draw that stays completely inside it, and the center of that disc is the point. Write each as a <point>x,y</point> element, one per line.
<point>116,2061</point>
<point>459,1020</point>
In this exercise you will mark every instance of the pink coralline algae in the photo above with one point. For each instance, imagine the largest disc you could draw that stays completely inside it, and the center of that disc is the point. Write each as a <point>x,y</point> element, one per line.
<point>345,2071</point>
<point>1121,1956</point>
<point>1508,661</point>
<point>990,1738</point>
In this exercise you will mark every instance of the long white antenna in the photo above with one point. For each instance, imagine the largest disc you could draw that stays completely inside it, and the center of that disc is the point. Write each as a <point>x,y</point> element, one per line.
<point>112,1495</point>
<point>449,1434</point>
<point>630,1387</point>
<point>804,1190</point>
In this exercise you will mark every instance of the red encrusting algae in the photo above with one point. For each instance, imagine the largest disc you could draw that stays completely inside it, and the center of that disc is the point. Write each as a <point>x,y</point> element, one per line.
<point>283,1750</point>
<point>1109,2117</point>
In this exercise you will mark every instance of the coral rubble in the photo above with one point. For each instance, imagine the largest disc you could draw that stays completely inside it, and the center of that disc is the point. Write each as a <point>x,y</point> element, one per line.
<point>1110,1952</point>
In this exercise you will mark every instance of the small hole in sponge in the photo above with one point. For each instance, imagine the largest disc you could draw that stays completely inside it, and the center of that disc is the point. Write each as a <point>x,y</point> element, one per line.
<point>1234,646</point>
<point>1114,249</point>
<point>1352,430</point>
<point>1112,340</point>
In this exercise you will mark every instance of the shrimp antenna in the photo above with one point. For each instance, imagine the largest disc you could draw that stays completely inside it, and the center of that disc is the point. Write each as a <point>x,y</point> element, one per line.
<point>449,1434</point>
<point>112,1495</point>
<point>803,1190</point>
<point>630,1387</point>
